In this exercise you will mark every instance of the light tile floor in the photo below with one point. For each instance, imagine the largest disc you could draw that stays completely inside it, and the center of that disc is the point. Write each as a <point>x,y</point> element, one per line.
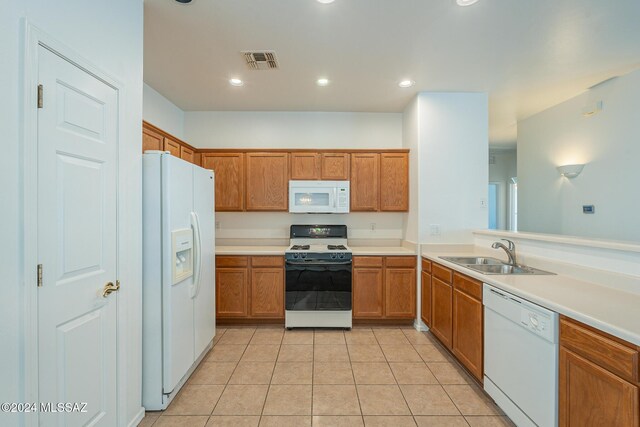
<point>266,376</point>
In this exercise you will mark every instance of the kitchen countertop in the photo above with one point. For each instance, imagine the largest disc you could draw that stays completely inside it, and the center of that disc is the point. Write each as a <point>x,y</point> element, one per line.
<point>279,250</point>
<point>611,310</point>
<point>250,250</point>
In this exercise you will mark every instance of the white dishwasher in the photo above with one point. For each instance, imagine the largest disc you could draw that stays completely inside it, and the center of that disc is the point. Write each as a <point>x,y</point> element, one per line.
<point>521,358</point>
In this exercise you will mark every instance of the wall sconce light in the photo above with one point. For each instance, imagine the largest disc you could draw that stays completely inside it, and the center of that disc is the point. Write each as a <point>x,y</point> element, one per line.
<point>570,171</point>
<point>592,109</point>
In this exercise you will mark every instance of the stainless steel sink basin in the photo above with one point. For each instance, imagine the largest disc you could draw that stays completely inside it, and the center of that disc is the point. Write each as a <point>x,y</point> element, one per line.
<point>487,265</point>
<point>508,269</point>
<point>472,260</point>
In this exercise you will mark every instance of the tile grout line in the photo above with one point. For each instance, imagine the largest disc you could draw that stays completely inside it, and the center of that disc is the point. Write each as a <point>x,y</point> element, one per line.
<point>234,370</point>
<point>270,379</point>
<point>353,375</point>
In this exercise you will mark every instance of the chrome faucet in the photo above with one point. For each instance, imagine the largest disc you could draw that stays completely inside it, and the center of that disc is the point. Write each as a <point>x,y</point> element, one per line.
<point>510,249</point>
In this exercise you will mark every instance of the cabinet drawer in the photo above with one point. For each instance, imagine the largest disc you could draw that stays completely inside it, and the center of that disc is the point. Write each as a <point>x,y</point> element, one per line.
<point>468,285</point>
<point>232,261</point>
<point>367,261</point>
<point>267,261</point>
<point>426,265</point>
<point>443,273</point>
<point>401,261</point>
<point>619,358</point>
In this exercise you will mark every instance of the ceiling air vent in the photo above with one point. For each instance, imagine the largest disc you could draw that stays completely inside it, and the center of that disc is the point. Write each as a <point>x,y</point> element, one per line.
<point>265,60</point>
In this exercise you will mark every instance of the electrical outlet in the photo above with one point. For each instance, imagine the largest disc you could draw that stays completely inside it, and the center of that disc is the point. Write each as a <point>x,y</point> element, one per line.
<point>483,203</point>
<point>434,229</point>
<point>372,226</point>
<point>217,225</point>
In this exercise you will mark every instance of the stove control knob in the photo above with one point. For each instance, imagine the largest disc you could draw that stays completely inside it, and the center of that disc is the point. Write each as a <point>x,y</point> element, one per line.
<point>303,255</point>
<point>341,256</point>
<point>333,256</point>
<point>295,255</point>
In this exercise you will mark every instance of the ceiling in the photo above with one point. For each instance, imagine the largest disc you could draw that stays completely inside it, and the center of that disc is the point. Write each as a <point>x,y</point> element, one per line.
<point>527,54</point>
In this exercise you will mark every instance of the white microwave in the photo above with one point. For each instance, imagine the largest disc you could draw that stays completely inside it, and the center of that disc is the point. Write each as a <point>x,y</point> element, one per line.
<point>319,196</point>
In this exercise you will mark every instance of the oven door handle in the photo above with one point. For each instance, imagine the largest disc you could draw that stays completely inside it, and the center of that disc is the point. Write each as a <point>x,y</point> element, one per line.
<point>319,263</point>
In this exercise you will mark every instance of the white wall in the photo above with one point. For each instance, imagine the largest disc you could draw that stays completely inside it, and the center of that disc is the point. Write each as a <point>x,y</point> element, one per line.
<point>501,172</point>
<point>321,130</point>
<point>410,140</point>
<point>284,129</point>
<point>453,161</point>
<point>88,29</point>
<point>160,112</point>
<point>609,145</point>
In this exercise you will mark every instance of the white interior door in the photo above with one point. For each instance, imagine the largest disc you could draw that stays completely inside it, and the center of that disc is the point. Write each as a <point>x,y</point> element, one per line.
<point>77,225</point>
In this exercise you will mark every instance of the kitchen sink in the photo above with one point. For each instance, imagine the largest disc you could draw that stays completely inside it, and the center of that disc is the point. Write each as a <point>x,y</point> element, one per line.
<point>507,269</point>
<point>462,260</point>
<point>487,265</point>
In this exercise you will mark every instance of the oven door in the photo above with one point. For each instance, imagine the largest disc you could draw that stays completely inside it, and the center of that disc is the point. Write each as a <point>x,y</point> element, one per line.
<point>318,286</point>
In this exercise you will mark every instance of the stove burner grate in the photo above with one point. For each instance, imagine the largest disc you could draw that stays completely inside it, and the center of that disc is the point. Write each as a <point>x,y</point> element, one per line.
<point>300,247</point>
<point>337,247</point>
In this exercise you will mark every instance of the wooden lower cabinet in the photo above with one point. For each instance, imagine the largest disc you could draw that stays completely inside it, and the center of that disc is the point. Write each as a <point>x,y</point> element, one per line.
<point>384,288</point>
<point>425,298</point>
<point>267,292</point>
<point>232,286</point>
<point>400,293</point>
<point>249,287</point>
<point>467,342</point>
<point>368,293</point>
<point>599,383</point>
<point>442,311</point>
<point>452,308</point>
<point>592,396</point>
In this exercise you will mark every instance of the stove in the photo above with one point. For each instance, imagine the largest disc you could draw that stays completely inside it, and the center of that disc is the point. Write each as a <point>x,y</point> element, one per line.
<point>318,283</point>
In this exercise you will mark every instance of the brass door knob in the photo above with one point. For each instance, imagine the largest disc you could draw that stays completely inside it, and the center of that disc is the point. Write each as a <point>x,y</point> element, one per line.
<point>109,288</point>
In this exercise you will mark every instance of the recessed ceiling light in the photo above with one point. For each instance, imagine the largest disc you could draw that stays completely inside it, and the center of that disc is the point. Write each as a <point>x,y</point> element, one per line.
<point>322,82</point>
<point>325,1</point>
<point>466,2</point>
<point>183,1</point>
<point>406,83</point>
<point>236,82</point>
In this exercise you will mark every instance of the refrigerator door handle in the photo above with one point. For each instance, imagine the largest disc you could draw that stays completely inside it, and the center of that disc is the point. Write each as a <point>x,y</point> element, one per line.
<point>195,225</point>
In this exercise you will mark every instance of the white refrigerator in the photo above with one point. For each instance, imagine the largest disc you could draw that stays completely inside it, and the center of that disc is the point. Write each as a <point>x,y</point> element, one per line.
<point>178,273</point>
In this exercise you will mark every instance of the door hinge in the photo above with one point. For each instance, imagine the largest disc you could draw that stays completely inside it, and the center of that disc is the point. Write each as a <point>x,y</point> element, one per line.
<point>40,92</point>
<point>39,275</point>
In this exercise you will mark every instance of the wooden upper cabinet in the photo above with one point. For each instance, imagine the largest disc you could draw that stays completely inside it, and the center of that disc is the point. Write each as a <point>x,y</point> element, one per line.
<point>335,166</point>
<point>400,292</point>
<point>267,182</point>
<point>151,140</point>
<point>305,165</point>
<point>368,293</point>
<point>229,178</point>
<point>172,146</point>
<point>365,182</point>
<point>394,182</point>
<point>187,154</point>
